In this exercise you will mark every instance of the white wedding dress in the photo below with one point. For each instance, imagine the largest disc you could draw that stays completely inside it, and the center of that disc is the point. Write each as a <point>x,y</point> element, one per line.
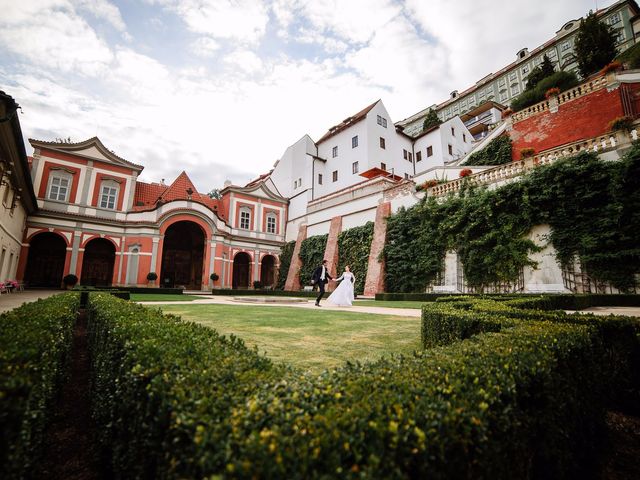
<point>343,295</point>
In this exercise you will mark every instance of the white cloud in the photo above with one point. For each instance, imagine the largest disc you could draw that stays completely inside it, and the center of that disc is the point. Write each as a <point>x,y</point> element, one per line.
<point>246,61</point>
<point>205,47</point>
<point>241,20</point>
<point>105,10</point>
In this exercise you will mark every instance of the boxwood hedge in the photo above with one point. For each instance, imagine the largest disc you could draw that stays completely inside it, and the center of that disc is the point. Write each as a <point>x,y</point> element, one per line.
<point>35,340</point>
<point>176,400</point>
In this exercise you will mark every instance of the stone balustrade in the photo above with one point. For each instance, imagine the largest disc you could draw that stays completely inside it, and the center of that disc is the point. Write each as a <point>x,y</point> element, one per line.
<point>504,172</point>
<point>563,97</point>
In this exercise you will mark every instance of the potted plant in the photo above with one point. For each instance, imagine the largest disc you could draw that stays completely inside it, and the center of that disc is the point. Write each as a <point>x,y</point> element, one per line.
<point>527,153</point>
<point>611,67</point>
<point>257,284</point>
<point>69,281</point>
<point>152,277</point>
<point>552,92</point>
<point>214,277</point>
<point>621,123</point>
<point>465,172</point>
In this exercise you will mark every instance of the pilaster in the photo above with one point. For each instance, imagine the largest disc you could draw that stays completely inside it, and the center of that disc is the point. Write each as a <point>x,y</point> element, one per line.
<point>374,282</point>
<point>293,276</point>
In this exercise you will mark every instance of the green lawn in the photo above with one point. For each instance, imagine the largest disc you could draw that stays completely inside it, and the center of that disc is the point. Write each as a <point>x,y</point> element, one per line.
<point>309,339</point>
<point>387,303</point>
<point>161,297</point>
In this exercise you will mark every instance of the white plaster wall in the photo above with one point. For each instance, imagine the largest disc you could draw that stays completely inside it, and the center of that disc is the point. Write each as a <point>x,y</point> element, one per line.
<point>547,277</point>
<point>11,231</point>
<point>318,229</point>
<point>358,219</point>
<point>461,141</point>
<point>431,139</point>
<point>295,163</point>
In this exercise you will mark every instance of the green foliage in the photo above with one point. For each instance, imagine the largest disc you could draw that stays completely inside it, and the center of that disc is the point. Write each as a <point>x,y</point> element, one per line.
<point>562,80</point>
<point>311,254</point>
<point>164,390</point>
<point>631,56</point>
<point>544,70</point>
<point>431,120</point>
<point>595,45</point>
<point>285,261</point>
<point>486,228</point>
<point>497,152</point>
<point>353,247</point>
<point>593,208</point>
<point>35,341</point>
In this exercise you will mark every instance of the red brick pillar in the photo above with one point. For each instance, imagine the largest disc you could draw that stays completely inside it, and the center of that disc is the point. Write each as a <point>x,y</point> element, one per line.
<point>374,282</point>
<point>331,251</point>
<point>293,275</point>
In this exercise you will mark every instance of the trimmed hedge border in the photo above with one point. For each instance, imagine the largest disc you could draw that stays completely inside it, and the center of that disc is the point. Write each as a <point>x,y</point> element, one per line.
<point>35,341</point>
<point>151,290</point>
<point>176,400</point>
<point>263,293</point>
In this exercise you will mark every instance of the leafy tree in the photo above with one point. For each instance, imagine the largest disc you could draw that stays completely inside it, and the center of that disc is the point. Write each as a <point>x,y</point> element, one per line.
<point>215,193</point>
<point>431,120</point>
<point>595,45</point>
<point>544,70</point>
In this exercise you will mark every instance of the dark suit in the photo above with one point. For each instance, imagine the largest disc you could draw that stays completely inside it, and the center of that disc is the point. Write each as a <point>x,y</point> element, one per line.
<point>317,273</point>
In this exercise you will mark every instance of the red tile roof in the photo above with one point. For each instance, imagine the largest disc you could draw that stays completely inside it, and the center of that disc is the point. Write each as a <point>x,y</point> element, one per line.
<point>148,196</point>
<point>347,122</point>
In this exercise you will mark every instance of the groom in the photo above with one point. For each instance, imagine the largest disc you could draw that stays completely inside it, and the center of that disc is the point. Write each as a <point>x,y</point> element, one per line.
<point>321,277</point>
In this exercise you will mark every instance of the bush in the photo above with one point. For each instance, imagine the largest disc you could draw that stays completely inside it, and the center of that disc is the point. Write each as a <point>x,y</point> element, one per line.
<point>286,253</point>
<point>176,400</point>
<point>257,284</point>
<point>35,341</point>
<point>526,99</point>
<point>69,280</point>
<point>621,123</point>
<point>214,277</point>
<point>497,152</point>
<point>561,80</point>
<point>152,276</point>
<point>631,56</point>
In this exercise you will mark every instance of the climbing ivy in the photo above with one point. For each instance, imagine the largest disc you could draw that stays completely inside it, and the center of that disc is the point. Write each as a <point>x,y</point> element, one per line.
<point>592,206</point>
<point>353,249</point>
<point>285,260</point>
<point>311,255</point>
<point>497,152</point>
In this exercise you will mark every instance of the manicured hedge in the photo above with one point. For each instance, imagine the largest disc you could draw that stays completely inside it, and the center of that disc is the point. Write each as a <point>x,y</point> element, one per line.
<point>35,340</point>
<point>176,400</point>
<point>418,297</point>
<point>164,389</point>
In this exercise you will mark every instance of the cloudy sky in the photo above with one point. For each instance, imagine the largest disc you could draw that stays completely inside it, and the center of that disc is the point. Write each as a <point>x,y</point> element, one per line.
<point>220,88</point>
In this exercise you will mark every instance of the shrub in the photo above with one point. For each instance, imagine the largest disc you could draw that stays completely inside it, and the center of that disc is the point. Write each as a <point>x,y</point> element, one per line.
<point>214,277</point>
<point>497,152</point>
<point>152,276</point>
<point>611,67</point>
<point>526,99</point>
<point>631,56</point>
<point>69,280</point>
<point>354,245</point>
<point>35,341</point>
<point>561,80</point>
<point>257,284</point>
<point>285,261</point>
<point>621,123</point>
<point>465,172</point>
<point>527,152</point>
<point>552,92</point>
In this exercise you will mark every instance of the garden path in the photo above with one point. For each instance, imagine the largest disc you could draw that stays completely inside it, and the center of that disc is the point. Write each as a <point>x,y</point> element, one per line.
<point>9,301</point>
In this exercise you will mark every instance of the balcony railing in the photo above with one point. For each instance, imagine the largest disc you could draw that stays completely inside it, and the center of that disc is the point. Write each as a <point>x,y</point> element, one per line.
<point>501,173</point>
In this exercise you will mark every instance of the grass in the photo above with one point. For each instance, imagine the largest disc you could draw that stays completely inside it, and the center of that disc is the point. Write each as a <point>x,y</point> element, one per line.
<point>162,297</point>
<point>388,304</point>
<point>313,340</point>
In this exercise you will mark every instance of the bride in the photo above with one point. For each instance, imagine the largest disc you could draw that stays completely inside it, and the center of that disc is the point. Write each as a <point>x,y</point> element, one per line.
<point>343,295</point>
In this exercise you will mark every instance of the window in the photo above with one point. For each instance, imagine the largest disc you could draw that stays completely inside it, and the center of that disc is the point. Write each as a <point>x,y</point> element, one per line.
<point>335,175</point>
<point>504,96</point>
<point>245,218</point>
<point>618,36</point>
<point>382,121</point>
<point>410,157</point>
<point>525,69</point>
<point>406,176</point>
<point>513,77</point>
<point>382,143</point>
<point>271,223</point>
<point>453,131</point>
<point>354,141</point>
<point>299,182</point>
<point>418,156</point>
<point>319,179</point>
<point>429,151</point>
<point>334,152</point>
<point>383,166</point>
<point>295,184</point>
<point>108,196</point>
<point>59,188</point>
<point>450,150</point>
<point>354,167</point>
<point>515,90</point>
<point>404,154</point>
<point>464,137</point>
<point>565,46</point>
<point>613,19</point>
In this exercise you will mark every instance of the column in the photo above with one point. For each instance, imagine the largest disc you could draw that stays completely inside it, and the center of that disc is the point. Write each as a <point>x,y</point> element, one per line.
<point>293,275</point>
<point>374,283</point>
<point>331,253</point>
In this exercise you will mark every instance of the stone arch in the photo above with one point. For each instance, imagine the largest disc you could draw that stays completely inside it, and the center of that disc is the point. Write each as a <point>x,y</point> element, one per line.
<point>45,260</point>
<point>98,262</point>
<point>183,254</point>
<point>241,270</point>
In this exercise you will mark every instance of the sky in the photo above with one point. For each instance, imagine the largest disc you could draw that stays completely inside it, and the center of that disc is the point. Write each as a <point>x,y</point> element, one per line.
<point>220,88</point>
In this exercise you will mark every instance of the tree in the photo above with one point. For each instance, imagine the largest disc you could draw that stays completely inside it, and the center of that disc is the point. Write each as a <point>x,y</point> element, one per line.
<point>215,193</point>
<point>542,71</point>
<point>595,45</point>
<point>431,120</point>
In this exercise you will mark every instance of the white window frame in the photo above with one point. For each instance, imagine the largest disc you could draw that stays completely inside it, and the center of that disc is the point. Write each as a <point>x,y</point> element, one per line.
<point>55,180</point>
<point>382,121</point>
<point>354,141</point>
<point>334,152</point>
<point>271,223</point>
<point>334,176</point>
<point>245,218</point>
<point>109,199</point>
<point>354,167</point>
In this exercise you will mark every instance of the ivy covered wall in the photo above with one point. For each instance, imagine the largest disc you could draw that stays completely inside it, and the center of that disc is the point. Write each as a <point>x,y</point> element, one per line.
<point>592,207</point>
<point>285,262</point>
<point>311,255</point>
<point>353,250</point>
